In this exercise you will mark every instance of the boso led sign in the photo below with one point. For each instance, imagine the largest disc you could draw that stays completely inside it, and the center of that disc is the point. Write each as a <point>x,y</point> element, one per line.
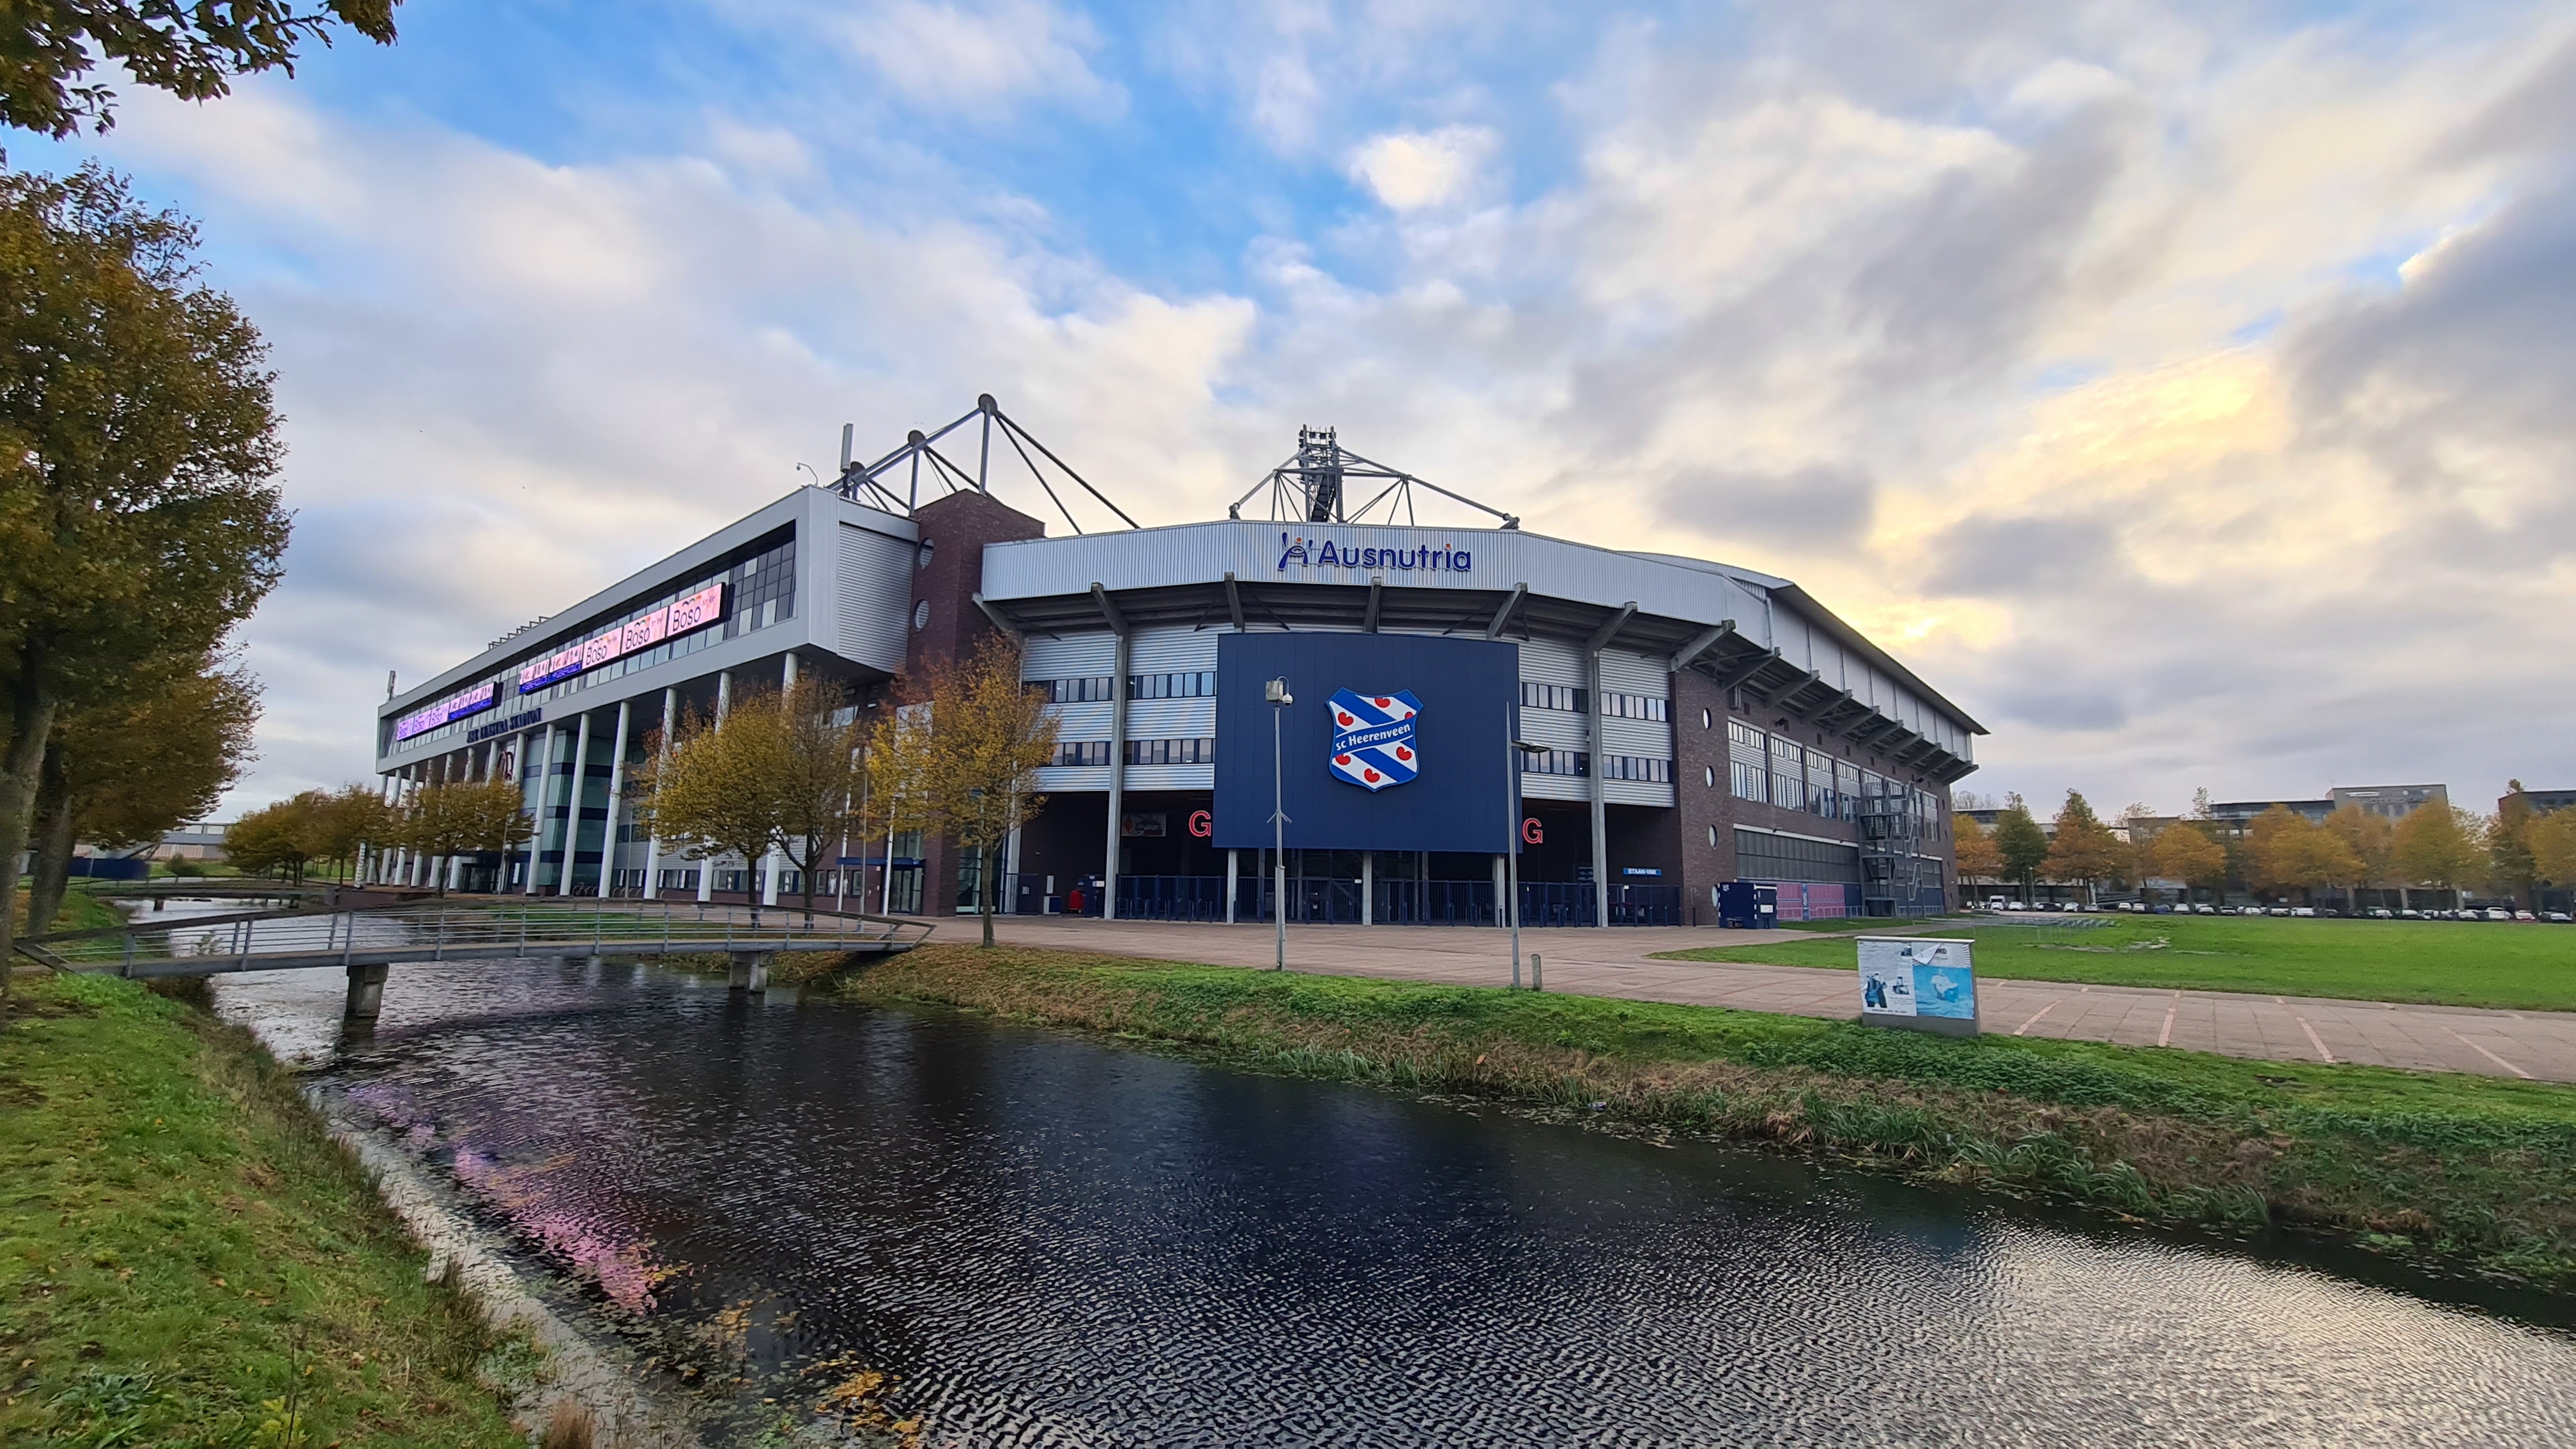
<point>687,616</point>
<point>1346,553</point>
<point>455,707</point>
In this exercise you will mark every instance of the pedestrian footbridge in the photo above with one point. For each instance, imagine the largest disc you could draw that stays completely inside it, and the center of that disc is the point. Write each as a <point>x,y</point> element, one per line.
<point>368,940</point>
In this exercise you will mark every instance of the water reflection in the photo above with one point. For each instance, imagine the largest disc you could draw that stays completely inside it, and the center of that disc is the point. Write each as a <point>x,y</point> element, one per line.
<point>1055,1242</point>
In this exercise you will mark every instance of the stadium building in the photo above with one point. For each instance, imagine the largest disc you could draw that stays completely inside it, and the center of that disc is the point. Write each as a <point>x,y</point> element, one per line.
<point>1640,727</point>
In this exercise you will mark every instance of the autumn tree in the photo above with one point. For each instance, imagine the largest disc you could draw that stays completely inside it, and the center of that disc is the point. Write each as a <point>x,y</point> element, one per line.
<point>2437,847</point>
<point>2552,839</point>
<point>446,819</point>
<point>275,840</point>
<point>964,764</point>
<point>137,441</point>
<point>345,822</point>
<point>784,772</point>
<point>2371,841</point>
<point>2084,850</point>
<point>2286,851</point>
<point>1973,850</point>
<point>49,47</point>
<point>2184,852</point>
<point>2021,843</point>
<point>124,772</point>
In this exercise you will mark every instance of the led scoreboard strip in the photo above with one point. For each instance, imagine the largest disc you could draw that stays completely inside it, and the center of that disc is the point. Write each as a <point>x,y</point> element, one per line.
<point>697,611</point>
<point>455,707</point>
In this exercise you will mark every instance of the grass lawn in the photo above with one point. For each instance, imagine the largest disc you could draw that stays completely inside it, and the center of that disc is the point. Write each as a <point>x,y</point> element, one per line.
<point>81,911</point>
<point>2471,1167</point>
<point>186,1256</point>
<point>2519,965</point>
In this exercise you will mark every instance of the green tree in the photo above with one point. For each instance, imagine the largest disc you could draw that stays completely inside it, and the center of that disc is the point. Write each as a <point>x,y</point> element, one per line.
<point>2510,868</point>
<point>125,772</point>
<point>275,840</point>
<point>48,48</point>
<point>963,764</point>
<point>2084,850</point>
<point>136,444</point>
<point>2021,843</point>
<point>2372,841</point>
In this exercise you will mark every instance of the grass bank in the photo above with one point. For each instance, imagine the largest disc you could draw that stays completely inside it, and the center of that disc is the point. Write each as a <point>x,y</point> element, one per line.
<point>2469,1170</point>
<point>187,1258</point>
<point>2521,966</point>
<point>80,911</point>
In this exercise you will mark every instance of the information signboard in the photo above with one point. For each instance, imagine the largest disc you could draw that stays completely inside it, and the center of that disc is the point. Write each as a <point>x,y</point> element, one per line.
<point>1919,982</point>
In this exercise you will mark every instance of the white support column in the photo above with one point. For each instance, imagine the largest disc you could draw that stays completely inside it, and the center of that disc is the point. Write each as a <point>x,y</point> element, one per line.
<point>774,864</point>
<point>1368,887</point>
<point>545,763</point>
<point>1502,904</point>
<point>580,789</point>
<point>1600,801</point>
<point>1117,774</point>
<point>1233,875</point>
<point>707,865</point>
<point>616,797</point>
<point>653,849</point>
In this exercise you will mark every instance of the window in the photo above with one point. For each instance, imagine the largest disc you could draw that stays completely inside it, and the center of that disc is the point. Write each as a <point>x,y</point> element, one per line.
<point>1712,841</point>
<point>1748,772</point>
<point>1706,719</point>
<point>1788,773</point>
<point>1082,752</point>
<point>1847,790</point>
<point>1555,762</point>
<point>1077,691</point>
<point>1636,767</point>
<point>1708,775</point>
<point>1634,706</point>
<point>1551,696</point>
<point>1820,784</point>
<point>921,616</point>
<point>680,880</point>
<point>1189,684</point>
<point>1199,751</point>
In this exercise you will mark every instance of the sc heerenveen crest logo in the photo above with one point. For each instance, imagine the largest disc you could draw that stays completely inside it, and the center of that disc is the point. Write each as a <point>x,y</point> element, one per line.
<point>1373,744</point>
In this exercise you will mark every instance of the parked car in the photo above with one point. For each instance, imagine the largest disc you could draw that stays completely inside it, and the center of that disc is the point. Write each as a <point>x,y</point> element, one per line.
<point>2497,913</point>
<point>2524,916</point>
<point>2382,913</point>
<point>2561,917</point>
<point>2305,911</point>
<point>2204,909</point>
<point>2410,914</point>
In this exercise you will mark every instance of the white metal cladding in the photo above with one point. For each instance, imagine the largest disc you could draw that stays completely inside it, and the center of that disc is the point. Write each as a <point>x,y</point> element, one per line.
<point>1170,719</point>
<point>1550,661</point>
<point>1088,720</point>
<point>1074,779</point>
<point>1555,728</point>
<point>1652,738</point>
<point>1625,673</point>
<point>1169,777</point>
<point>1068,656</point>
<point>1637,792</point>
<point>1163,651</point>
<point>1555,787</point>
<point>1204,553</point>
<point>873,591</point>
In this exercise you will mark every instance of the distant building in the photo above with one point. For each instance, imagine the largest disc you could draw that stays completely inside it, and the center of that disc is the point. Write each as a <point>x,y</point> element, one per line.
<point>2235,818</point>
<point>2541,801</point>
<point>2395,802</point>
<point>201,841</point>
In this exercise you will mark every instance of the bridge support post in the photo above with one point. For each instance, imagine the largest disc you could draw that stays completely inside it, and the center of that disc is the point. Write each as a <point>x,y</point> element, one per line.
<point>750,971</point>
<point>366,994</point>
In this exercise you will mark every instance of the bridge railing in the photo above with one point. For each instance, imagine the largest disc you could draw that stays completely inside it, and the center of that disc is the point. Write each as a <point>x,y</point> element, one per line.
<point>453,929</point>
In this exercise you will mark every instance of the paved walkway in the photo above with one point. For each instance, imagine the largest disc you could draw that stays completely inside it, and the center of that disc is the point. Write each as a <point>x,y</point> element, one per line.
<point>2537,1045</point>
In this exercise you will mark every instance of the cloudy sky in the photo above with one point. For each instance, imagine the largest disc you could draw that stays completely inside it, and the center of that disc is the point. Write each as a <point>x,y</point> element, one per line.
<point>2189,392</point>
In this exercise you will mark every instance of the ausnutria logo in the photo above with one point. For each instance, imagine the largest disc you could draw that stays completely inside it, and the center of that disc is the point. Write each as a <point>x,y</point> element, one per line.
<point>1348,554</point>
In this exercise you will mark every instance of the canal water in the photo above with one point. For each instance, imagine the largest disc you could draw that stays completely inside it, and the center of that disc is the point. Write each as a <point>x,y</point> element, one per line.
<point>1050,1241</point>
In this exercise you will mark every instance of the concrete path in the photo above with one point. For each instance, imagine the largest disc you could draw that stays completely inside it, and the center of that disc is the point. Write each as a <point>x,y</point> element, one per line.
<point>2538,1045</point>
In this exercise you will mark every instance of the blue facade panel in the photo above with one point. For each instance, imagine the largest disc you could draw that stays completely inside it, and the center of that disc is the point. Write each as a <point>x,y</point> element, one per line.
<point>1468,693</point>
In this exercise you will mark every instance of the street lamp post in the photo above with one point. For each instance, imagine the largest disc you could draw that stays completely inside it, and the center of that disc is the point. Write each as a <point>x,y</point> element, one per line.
<point>1512,845</point>
<point>1276,691</point>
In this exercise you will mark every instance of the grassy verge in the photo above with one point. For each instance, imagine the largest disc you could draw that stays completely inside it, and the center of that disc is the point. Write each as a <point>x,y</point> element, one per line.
<point>186,1258</point>
<point>2521,966</point>
<point>81,911</point>
<point>2464,1169</point>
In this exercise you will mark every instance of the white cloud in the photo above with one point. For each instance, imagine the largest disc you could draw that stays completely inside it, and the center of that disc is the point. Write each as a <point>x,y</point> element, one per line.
<point>1412,170</point>
<point>982,60</point>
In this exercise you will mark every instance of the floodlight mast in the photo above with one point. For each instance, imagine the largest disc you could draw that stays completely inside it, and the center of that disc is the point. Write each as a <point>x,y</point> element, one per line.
<point>1314,486</point>
<point>873,484</point>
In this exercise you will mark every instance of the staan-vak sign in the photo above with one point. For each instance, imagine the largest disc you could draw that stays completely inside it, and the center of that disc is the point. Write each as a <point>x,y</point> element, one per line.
<point>455,707</point>
<point>1348,553</point>
<point>685,616</point>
